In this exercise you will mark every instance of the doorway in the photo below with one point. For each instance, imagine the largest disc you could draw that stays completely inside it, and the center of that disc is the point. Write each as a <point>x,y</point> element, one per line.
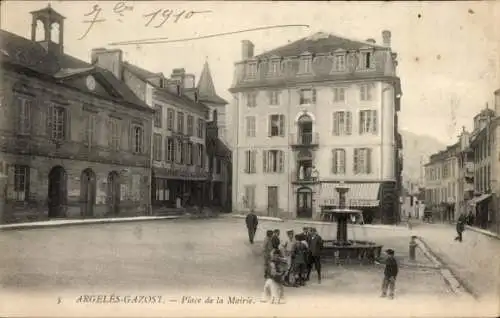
<point>272,201</point>
<point>304,203</point>
<point>305,130</point>
<point>57,192</point>
<point>87,192</point>
<point>114,193</point>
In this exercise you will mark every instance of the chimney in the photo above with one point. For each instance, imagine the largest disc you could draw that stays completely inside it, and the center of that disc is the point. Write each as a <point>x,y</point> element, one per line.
<point>386,36</point>
<point>110,60</point>
<point>370,41</point>
<point>246,49</point>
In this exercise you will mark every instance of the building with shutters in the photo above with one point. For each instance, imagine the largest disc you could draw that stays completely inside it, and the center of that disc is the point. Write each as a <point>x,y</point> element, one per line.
<point>73,138</point>
<point>311,114</point>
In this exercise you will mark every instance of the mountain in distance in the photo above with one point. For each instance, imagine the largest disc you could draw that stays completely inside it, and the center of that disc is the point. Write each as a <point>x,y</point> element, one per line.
<point>416,151</point>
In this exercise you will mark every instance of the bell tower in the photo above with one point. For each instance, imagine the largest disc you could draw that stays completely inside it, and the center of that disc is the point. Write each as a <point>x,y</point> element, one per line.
<point>47,28</point>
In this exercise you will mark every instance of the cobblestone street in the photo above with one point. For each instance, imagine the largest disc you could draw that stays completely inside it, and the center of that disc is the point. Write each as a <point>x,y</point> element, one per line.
<point>203,257</point>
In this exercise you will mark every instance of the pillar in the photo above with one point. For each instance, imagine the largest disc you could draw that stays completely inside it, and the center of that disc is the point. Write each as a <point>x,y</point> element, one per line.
<point>342,217</point>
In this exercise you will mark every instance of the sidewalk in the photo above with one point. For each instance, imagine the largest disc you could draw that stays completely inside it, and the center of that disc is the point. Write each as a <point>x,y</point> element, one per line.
<point>72,222</point>
<point>475,262</point>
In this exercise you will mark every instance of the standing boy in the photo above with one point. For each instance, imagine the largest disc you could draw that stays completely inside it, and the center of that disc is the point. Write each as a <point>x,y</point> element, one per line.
<point>390,274</point>
<point>315,247</point>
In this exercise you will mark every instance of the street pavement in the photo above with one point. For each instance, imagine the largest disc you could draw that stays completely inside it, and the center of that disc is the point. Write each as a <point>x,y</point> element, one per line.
<point>198,257</point>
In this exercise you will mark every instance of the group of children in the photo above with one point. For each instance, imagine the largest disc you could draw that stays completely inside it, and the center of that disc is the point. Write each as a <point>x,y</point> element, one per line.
<point>289,263</point>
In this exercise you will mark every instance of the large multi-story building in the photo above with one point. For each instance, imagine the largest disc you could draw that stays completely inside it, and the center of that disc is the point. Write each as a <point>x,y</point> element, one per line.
<point>73,139</point>
<point>311,114</point>
<point>442,183</point>
<point>181,171</point>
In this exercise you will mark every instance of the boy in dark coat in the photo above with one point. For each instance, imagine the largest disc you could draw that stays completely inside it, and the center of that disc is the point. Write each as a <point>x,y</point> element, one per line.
<point>390,274</point>
<point>251,221</point>
<point>315,247</point>
<point>460,227</point>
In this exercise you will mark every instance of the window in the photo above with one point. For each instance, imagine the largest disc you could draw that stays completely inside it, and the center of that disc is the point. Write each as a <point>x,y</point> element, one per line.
<point>276,125</point>
<point>250,126</point>
<point>162,192</point>
<point>362,161</point>
<point>251,99</point>
<point>218,165</point>
<point>179,152</point>
<point>138,139</point>
<point>201,155</point>
<point>306,64</point>
<point>339,63</point>
<point>158,116</point>
<point>252,69</point>
<point>365,92</point>
<point>200,128</point>
<point>89,124</point>
<point>366,60</point>
<point>57,123</point>
<point>114,134</point>
<point>273,161</point>
<point>307,96</point>
<point>190,125</point>
<point>157,141</point>
<point>339,94</point>
<point>274,67</point>
<point>24,115</point>
<point>180,122</point>
<point>274,98</point>
<point>21,182</point>
<point>342,123</point>
<point>338,166</point>
<point>368,122</point>
<point>249,199</point>
<point>170,119</point>
<point>169,149</point>
<point>250,158</point>
<point>189,153</point>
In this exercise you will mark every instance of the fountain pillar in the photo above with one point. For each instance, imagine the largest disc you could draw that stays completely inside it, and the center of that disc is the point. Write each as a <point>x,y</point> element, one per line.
<point>342,218</point>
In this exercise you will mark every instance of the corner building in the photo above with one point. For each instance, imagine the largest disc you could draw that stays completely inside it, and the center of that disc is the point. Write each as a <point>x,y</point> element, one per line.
<point>311,114</point>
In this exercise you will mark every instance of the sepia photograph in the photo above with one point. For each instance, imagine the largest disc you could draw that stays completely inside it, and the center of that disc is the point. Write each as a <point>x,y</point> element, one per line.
<point>249,158</point>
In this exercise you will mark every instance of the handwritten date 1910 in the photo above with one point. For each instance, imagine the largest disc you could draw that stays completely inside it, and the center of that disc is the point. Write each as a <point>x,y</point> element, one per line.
<point>164,15</point>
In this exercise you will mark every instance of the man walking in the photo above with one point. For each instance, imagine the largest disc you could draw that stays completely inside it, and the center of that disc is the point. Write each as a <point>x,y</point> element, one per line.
<point>315,246</point>
<point>460,227</point>
<point>251,221</point>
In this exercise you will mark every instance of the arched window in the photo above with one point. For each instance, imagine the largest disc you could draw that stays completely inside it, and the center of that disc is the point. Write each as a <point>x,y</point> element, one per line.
<point>40,31</point>
<point>54,32</point>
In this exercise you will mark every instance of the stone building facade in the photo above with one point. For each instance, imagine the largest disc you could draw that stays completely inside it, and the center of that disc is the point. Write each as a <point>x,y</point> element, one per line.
<point>74,139</point>
<point>311,114</point>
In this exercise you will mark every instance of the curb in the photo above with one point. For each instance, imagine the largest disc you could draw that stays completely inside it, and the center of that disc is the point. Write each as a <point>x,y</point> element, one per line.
<point>264,218</point>
<point>64,223</point>
<point>449,277</point>
<point>484,232</point>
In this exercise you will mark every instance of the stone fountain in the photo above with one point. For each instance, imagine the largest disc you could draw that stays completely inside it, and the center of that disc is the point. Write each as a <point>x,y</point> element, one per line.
<point>343,249</point>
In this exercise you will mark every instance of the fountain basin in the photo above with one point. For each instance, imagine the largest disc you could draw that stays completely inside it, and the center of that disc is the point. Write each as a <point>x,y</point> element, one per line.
<point>351,251</point>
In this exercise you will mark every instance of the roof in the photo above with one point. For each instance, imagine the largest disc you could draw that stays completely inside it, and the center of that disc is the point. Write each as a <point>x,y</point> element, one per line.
<point>206,87</point>
<point>319,42</point>
<point>146,75</point>
<point>222,150</point>
<point>22,52</point>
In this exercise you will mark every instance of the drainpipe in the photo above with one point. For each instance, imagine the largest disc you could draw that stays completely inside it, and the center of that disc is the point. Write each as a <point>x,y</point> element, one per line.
<point>236,163</point>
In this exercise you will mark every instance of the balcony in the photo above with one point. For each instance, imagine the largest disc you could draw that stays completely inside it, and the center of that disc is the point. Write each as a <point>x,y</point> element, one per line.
<point>304,140</point>
<point>307,179</point>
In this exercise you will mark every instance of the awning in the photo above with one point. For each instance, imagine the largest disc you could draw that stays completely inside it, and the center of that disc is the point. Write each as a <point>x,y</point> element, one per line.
<point>480,198</point>
<point>359,194</point>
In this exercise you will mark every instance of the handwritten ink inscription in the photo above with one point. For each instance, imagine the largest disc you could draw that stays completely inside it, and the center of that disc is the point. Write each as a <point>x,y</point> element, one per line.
<point>156,18</point>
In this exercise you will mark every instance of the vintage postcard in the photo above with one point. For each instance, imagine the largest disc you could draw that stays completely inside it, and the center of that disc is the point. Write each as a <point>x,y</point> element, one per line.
<point>239,158</point>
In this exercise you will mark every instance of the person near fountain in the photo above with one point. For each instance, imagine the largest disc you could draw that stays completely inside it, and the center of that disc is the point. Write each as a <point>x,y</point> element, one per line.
<point>267,250</point>
<point>315,247</point>
<point>390,274</point>
<point>251,221</point>
<point>273,287</point>
<point>299,258</point>
<point>275,239</point>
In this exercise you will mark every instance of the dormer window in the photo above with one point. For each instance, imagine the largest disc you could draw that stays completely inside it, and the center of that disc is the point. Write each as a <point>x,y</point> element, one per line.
<point>162,83</point>
<point>306,64</point>
<point>252,69</point>
<point>178,89</point>
<point>366,61</point>
<point>274,67</point>
<point>339,63</point>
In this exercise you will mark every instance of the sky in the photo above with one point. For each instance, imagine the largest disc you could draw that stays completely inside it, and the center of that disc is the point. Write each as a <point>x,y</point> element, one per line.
<point>448,52</point>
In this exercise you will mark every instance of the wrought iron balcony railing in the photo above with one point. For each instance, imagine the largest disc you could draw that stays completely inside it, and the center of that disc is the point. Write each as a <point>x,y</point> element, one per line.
<point>304,139</point>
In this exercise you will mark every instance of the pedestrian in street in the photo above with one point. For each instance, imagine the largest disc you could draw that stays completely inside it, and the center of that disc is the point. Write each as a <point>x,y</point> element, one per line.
<point>288,246</point>
<point>390,274</point>
<point>460,227</point>
<point>273,287</point>
<point>251,221</point>
<point>315,247</point>
<point>267,248</point>
<point>299,258</point>
<point>275,240</point>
